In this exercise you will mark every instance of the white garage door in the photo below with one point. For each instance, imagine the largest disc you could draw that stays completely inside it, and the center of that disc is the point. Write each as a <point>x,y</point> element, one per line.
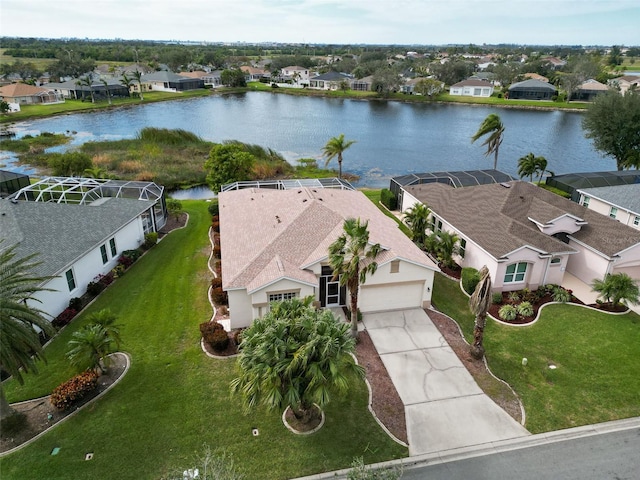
<point>374,298</point>
<point>633,272</point>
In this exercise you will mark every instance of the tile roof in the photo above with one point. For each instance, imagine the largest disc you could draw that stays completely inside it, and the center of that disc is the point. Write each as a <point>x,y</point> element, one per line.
<point>61,233</point>
<point>500,219</point>
<point>270,234</point>
<point>622,196</point>
<point>21,90</point>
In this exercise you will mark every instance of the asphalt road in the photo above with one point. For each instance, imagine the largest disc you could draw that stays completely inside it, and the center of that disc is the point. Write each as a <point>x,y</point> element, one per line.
<point>614,455</point>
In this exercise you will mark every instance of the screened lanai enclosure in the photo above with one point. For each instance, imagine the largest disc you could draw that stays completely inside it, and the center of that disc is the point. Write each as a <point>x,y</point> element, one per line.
<point>570,182</point>
<point>88,191</point>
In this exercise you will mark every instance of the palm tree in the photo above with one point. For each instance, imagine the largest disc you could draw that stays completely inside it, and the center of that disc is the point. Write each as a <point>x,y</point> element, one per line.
<point>106,90</point>
<point>89,347</point>
<point>446,247</point>
<point>617,288</point>
<point>479,304</point>
<point>138,76</point>
<point>417,218</point>
<point>88,82</point>
<point>352,258</point>
<point>294,356</point>
<point>126,81</point>
<point>335,147</point>
<point>491,126</point>
<point>95,172</point>
<point>19,343</point>
<point>527,166</point>
<point>541,167</point>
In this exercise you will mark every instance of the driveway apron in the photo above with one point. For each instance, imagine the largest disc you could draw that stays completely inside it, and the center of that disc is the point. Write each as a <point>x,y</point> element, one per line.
<point>444,407</point>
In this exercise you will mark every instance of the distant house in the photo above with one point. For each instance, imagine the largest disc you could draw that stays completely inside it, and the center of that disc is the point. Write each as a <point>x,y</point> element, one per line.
<point>298,76</point>
<point>362,84</point>
<point>24,94</point>
<point>72,89</point>
<point>253,74</point>
<point>78,227</point>
<point>213,79</point>
<point>625,83</point>
<point>274,246</point>
<point>472,88</point>
<point>535,76</point>
<point>329,81</point>
<point>168,82</point>
<point>620,202</point>
<point>532,90</point>
<point>528,236</point>
<point>554,62</point>
<point>589,90</point>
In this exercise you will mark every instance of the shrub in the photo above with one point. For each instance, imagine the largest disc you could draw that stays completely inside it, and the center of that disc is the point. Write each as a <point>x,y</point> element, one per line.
<point>95,287</point>
<point>513,297</point>
<point>561,295</point>
<point>213,208</point>
<point>525,309</point>
<point>219,296</point>
<point>75,304</point>
<point>224,310</point>
<point>117,271</point>
<point>207,330</point>
<point>216,282</point>
<point>66,394</point>
<point>128,257</point>
<point>470,278</point>
<point>107,279</point>
<point>150,239</point>
<point>64,318</point>
<point>13,424</point>
<point>508,313</point>
<point>217,253</point>
<point>215,225</point>
<point>496,298</point>
<point>220,340</point>
<point>527,295</point>
<point>237,336</point>
<point>388,199</point>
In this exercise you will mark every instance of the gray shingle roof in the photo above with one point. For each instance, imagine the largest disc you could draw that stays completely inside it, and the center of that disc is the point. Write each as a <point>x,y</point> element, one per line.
<point>622,196</point>
<point>532,84</point>
<point>269,234</point>
<point>499,218</point>
<point>61,233</point>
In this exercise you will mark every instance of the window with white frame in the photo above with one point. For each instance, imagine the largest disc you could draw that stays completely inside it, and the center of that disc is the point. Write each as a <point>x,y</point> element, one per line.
<point>556,261</point>
<point>585,201</point>
<point>515,272</point>
<point>71,281</point>
<point>463,247</point>
<point>278,297</point>
<point>112,246</point>
<point>103,253</point>
<point>613,212</point>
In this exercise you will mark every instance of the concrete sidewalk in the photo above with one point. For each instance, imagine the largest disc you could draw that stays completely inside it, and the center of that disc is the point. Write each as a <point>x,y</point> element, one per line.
<point>444,407</point>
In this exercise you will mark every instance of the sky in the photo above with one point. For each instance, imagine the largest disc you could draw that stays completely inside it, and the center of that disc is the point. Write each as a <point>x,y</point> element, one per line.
<point>401,22</point>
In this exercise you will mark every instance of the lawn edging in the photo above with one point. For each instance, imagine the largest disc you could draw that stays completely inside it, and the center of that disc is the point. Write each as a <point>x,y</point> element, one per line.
<point>116,381</point>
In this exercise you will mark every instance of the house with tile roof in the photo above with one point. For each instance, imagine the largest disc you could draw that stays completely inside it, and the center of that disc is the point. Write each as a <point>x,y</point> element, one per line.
<point>625,83</point>
<point>620,202</point>
<point>528,236</point>
<point>588,90</point>
<point>78,228</point>
<point>472,88</point>
<point>274,246</point>
<point>24,94</point>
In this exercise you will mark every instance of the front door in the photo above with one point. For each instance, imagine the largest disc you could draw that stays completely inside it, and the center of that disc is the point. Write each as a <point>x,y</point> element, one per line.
<point>331,293</point>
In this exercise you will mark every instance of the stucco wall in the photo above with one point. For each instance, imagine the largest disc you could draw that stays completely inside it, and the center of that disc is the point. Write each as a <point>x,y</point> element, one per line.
<point>587,264</point>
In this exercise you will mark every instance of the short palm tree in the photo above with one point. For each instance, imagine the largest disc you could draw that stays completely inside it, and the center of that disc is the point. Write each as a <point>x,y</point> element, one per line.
<point>294,356</point>
<point>527,166</point>
<point>479,304</point>
<point>616,288</point>
<point>95,172</point>
<point>352,258</point>
<point>447,246</point>
<point>88,82</point>
<point>138,76</point>
<point>90,347</point>
<point>126,81</point>
<point>494,129</point>
<point>335,147</point>
<point>417,218</point>
<point>20,347</point>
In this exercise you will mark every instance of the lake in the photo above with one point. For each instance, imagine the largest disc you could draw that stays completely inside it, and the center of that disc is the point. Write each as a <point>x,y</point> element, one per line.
<point>392,138</point>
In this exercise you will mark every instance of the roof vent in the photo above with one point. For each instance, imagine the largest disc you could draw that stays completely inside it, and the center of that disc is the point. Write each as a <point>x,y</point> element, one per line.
<point>304,200</point>
<point>505,185</point>
<point>278,219</point>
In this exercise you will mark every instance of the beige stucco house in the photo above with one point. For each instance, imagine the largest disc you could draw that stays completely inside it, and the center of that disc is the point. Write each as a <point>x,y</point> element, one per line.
<point>620,202</point>
<point>528,236</point>
<point>274,246</point>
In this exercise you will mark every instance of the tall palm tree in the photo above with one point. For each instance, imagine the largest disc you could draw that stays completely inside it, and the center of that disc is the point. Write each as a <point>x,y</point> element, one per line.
<point>19,343</point>
<point>126,81</point>
<point>88,82</point>
<point>479,304</point>
<point>417,218</point>
<point>90,347</point>
<point>494,129</point>
<point>294,356</point>
<point>541,167</point>
<point>334,148</point>
<point>106,90</point>
<point>138,76</point>
<point>352,258</point>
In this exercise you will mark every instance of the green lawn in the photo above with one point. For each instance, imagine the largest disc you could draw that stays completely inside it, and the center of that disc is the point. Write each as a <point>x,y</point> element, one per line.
<point>174,399</point>
<point>596,355</point>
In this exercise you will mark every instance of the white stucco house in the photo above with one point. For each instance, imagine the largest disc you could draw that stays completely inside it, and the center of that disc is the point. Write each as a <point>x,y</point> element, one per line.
<point>472,88</point>
<point>528,236</point>
<point>274,246</point>
<point>299,76</point>
<point>620,202</point>
<point>78,229</point>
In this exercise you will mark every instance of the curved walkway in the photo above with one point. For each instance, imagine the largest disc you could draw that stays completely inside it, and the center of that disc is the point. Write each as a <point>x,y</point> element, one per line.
<point>444,407</point>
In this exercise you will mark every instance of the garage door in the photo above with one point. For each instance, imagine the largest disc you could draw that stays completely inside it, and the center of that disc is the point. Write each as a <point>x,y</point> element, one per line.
<point>374,298</point>
<point>633,272</point>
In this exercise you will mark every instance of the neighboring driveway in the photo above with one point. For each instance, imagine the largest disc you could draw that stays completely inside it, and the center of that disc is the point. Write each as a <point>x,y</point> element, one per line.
<point>444,407</point>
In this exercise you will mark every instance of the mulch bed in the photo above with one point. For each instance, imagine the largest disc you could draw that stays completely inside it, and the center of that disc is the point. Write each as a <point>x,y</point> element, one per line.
<point>37,411</point>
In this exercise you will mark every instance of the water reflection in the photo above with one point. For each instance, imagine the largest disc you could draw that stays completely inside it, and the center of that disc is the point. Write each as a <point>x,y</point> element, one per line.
<point>194,193</point>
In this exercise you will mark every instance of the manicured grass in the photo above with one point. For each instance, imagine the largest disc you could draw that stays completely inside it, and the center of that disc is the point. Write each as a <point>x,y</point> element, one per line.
<point>374,195</point>
<point>175,399</point>
<point>596,355</point>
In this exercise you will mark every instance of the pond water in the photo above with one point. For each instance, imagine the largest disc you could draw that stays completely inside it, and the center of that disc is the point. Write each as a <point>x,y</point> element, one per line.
<point>392,138</point>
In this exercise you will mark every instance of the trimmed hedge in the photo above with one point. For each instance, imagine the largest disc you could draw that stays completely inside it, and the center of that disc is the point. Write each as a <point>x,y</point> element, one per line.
<point>470,277</point>
<point>388,199</point>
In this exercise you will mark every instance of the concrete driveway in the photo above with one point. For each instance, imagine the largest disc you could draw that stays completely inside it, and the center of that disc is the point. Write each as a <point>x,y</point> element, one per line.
<point>444,407</point>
